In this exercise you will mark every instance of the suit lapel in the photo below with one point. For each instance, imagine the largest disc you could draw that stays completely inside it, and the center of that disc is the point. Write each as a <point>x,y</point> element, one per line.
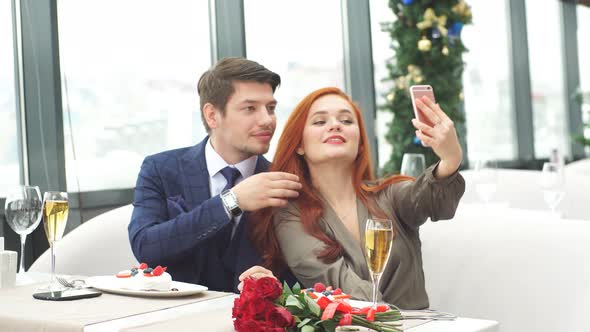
<point>262,165</point>
<point>196,176</point>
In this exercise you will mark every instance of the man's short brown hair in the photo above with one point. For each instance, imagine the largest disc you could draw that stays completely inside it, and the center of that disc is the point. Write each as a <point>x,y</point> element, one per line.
<point>216,84</point>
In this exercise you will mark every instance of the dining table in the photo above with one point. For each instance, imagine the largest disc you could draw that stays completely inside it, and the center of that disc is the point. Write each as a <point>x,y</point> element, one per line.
<point>203,311</point>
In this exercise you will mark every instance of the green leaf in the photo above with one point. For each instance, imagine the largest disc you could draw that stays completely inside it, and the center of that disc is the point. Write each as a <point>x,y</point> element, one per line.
<point>296,288</point>
<point>292,301</point>
<point>286,289</point>
<point>308,328</point>
<point>303,322</point>
<point>329,325</point>
<point>313,306</point>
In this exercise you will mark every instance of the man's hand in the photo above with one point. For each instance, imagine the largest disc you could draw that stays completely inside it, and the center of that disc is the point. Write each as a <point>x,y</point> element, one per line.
<point>255,272</point>
<point>266,190</point>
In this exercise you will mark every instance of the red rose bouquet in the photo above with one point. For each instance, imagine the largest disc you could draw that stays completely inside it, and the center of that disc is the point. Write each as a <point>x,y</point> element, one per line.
<point>264,305</point>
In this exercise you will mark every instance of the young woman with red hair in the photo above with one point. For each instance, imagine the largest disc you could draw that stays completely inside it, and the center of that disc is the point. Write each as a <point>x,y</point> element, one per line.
<point>320,234</point>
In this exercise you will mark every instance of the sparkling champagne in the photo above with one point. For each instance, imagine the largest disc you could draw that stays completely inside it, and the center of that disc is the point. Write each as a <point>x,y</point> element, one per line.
<point>378,247</point>
<point>55,217</point>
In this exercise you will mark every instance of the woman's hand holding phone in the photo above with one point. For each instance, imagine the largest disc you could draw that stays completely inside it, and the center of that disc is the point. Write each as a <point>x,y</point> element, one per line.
<point>441,136</point>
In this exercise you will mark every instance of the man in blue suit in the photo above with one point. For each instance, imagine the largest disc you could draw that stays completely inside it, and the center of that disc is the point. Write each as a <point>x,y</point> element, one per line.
<point>191,204</point>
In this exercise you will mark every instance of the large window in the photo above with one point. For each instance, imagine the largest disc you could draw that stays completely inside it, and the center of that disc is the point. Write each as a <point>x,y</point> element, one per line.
<point>9,166</point>
<point>584,59</point>
<point>382,53</point>
<point>302,42</point>
<point>547,77</point>
<point>129,76</point>
<point>486,83</point>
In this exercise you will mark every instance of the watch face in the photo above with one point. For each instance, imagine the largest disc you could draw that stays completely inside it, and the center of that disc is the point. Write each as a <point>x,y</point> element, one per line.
<point>231,203</point>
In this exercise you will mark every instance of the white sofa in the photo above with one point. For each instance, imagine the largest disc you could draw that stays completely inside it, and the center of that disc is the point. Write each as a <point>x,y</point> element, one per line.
<point>100,246</point>
<point>525,269</point>
<point>579,167</point>
<point>522,189</point>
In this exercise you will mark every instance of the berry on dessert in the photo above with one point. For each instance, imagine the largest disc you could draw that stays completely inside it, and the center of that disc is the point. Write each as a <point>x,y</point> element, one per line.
<point>319,287</point>
<point>145,278</point>
<point>328,292</point>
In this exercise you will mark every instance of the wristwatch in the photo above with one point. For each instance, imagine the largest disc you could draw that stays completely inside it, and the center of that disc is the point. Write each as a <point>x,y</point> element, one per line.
<point>230,202</point>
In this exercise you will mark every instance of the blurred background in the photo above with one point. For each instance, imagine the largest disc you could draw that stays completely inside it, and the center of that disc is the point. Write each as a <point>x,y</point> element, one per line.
<point>89,88</point>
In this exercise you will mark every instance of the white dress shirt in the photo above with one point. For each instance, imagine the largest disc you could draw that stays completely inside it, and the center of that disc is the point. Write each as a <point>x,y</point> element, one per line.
<point>217,181</point>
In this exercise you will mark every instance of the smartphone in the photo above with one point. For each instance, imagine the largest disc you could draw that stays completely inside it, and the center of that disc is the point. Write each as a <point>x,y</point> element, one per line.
<point>418,91</point>
<point>68,294</point>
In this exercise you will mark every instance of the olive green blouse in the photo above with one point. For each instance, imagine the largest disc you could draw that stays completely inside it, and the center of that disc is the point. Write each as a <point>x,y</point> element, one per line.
<point>409,204</point>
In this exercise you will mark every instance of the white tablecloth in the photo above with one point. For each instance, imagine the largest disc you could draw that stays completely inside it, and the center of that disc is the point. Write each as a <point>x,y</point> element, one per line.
<point>180,318</point>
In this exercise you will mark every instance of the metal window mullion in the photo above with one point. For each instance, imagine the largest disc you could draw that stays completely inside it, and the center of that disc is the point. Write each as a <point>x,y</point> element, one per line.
<point>41,86</point>
<point>571,69</point>
<point>358,65</point>
<point>521,82</point>
<point>228,36</point>
<point>19,93</point>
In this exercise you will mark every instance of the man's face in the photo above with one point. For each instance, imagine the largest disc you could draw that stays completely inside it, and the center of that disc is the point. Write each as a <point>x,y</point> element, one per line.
<point>248,124</point>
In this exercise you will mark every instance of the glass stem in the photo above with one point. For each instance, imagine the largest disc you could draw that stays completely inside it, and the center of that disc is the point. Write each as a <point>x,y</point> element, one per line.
<point>52,265</point>
<point>376,277</point>
<point>23,239</point>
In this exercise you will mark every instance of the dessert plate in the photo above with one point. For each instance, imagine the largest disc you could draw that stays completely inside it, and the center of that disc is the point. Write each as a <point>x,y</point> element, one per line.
<point>112,284</point>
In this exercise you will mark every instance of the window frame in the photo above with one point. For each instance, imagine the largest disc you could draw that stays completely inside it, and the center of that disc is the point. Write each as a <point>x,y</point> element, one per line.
<point>37,51</point>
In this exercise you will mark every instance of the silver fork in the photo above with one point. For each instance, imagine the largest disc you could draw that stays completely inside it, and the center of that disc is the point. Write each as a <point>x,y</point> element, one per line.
<point>424,314</point>
<point>76,283</point>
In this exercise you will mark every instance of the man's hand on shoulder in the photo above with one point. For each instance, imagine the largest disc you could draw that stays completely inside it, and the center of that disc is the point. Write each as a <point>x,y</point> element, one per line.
<point>266,189</point>
<point>255,272</point>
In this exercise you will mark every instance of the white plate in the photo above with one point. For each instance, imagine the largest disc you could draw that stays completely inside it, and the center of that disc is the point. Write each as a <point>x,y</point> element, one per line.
<point>112,284</point>
<point>359,304</point>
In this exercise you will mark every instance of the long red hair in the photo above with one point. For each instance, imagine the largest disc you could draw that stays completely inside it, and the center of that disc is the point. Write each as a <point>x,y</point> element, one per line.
<point>310,206</point>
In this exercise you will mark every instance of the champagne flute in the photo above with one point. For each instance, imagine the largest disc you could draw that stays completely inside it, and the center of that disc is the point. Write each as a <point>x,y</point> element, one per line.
<point>378,240</point>
<point>23,214</point>
<point>413,164</point>
<point>553,183</point>
<point>486,179</point>
<point>55,217</point>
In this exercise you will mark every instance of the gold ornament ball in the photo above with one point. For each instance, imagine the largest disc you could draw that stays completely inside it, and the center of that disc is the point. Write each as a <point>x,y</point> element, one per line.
<point>424,44</point>
<point>390,97</point>
<point>445,51</point>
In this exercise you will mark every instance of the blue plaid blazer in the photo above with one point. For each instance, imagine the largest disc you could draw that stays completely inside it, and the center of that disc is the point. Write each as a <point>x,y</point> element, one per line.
<point>176,223</point>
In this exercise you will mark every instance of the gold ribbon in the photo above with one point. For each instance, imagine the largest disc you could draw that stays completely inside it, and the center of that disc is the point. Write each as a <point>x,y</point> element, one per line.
<point>462,9</point>
<point>433,21</point>
<point>414,76</point>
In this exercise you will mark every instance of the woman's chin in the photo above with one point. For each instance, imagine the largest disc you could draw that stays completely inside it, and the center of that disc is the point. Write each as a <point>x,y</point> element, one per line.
<point>336,159</point>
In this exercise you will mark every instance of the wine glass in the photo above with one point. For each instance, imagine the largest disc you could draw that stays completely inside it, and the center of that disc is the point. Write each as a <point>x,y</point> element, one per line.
<point>55,217</point>
<point>413,164</point>
<point>486,179</point>
<point>378,240</point>
<point>553,183</point>
<point>23,214</point>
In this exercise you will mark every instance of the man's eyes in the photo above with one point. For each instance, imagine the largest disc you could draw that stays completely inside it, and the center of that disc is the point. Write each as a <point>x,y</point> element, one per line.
<point>252,108</point>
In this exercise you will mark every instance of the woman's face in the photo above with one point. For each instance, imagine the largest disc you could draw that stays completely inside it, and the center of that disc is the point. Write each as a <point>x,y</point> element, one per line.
<point>331,131</point>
